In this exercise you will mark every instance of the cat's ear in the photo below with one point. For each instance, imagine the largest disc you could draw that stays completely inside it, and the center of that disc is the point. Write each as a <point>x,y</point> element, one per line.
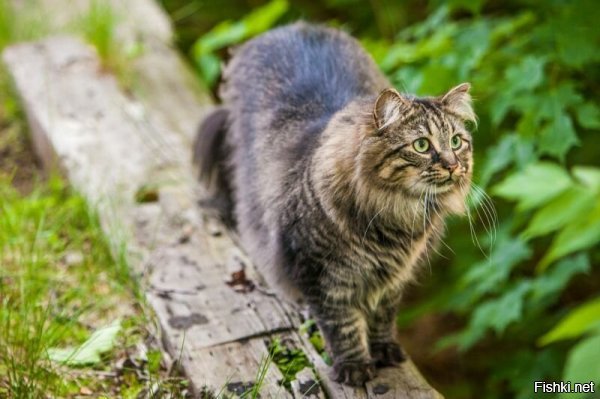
<point>387,107</point>
<point>458,102</point>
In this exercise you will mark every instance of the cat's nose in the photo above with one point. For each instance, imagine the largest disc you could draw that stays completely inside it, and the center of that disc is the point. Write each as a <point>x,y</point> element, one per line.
<point>451,167</point>
<point>450,163</point>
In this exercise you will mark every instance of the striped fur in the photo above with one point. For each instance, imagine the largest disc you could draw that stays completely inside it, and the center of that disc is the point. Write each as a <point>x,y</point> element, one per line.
<point>332,201</point>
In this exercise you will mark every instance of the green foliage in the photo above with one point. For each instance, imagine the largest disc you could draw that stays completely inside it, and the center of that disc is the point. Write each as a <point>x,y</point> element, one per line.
<point>310,329</point>
<point>289,360</point>
<point>579,321</point>
<point>229,32</point>
<point>582,364</point>
<point>569,206</point>
<point>515,301</point>
<point>530,187</point>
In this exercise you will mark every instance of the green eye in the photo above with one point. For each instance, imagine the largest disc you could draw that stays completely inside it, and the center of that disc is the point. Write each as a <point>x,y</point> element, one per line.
<point>421,145</point>
<point>455,142</point>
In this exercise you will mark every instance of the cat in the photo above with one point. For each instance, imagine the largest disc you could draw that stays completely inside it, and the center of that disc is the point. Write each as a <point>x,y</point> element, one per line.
<point>338,184</point>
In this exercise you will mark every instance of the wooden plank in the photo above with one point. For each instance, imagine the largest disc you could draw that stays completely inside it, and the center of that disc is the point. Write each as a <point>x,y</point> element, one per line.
<point>111,145</point>
<point>189,289</point>
<point>239,366</point>
<point>161,80</point>
<point>402,382</point>
<point>108,152</point>
<point>306,385</point>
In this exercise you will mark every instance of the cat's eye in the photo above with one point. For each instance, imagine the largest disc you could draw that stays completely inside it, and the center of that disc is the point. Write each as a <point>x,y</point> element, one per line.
<point>455,142</point>
<point>421,145</point>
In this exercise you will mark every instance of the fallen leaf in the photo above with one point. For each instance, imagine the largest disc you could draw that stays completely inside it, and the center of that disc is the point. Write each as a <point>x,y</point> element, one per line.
<point>101,341</point>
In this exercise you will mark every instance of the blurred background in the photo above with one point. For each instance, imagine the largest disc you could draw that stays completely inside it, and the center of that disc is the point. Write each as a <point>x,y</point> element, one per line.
<point>514,295</point>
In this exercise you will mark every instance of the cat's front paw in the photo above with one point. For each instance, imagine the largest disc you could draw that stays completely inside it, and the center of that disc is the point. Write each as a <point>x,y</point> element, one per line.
<point>353,373</point>
<point>387,354</point>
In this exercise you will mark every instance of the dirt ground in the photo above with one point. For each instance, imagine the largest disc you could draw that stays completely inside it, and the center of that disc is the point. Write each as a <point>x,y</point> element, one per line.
<point>17,160</point>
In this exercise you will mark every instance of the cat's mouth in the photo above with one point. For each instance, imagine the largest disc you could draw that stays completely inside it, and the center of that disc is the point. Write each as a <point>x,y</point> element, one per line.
<point>437,182</point>
<point>445,184</point>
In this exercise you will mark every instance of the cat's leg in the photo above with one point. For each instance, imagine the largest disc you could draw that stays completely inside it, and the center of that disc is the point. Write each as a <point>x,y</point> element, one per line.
<point>385,350</point>
<point>346,335</point>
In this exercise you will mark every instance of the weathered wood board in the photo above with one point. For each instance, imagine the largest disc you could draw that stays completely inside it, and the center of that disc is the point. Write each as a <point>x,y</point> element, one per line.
<point>105,147</point>
<point>113,145</point>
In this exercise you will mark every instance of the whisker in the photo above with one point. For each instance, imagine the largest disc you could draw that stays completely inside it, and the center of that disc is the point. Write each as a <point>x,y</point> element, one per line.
<point>487,223</point>
<point>471,227</point>
<point>491,217</point>
<point>488,205</point>
<point>425,209</point>
<point>439,234</point>
<point>362,241</point>
<point>412,228</point>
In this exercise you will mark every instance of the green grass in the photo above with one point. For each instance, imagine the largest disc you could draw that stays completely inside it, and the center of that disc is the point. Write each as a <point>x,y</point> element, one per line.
<point>59,281</point>
<point>98,27</point>
<point>58,284</point>
<point>26,24</point>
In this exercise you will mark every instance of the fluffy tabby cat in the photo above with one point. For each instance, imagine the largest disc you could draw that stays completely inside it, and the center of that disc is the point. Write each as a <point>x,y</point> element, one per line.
<point>338,184</point>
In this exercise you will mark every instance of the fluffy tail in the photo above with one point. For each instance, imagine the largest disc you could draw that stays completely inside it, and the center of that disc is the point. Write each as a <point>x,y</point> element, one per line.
<point>210,156</point>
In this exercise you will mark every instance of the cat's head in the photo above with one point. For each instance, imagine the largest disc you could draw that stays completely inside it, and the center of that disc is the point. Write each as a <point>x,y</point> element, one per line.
<point>420,145</point>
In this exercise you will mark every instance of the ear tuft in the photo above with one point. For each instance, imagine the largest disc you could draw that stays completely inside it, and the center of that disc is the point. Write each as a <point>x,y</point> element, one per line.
<point>387,107</point>
<point>458,101</point>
